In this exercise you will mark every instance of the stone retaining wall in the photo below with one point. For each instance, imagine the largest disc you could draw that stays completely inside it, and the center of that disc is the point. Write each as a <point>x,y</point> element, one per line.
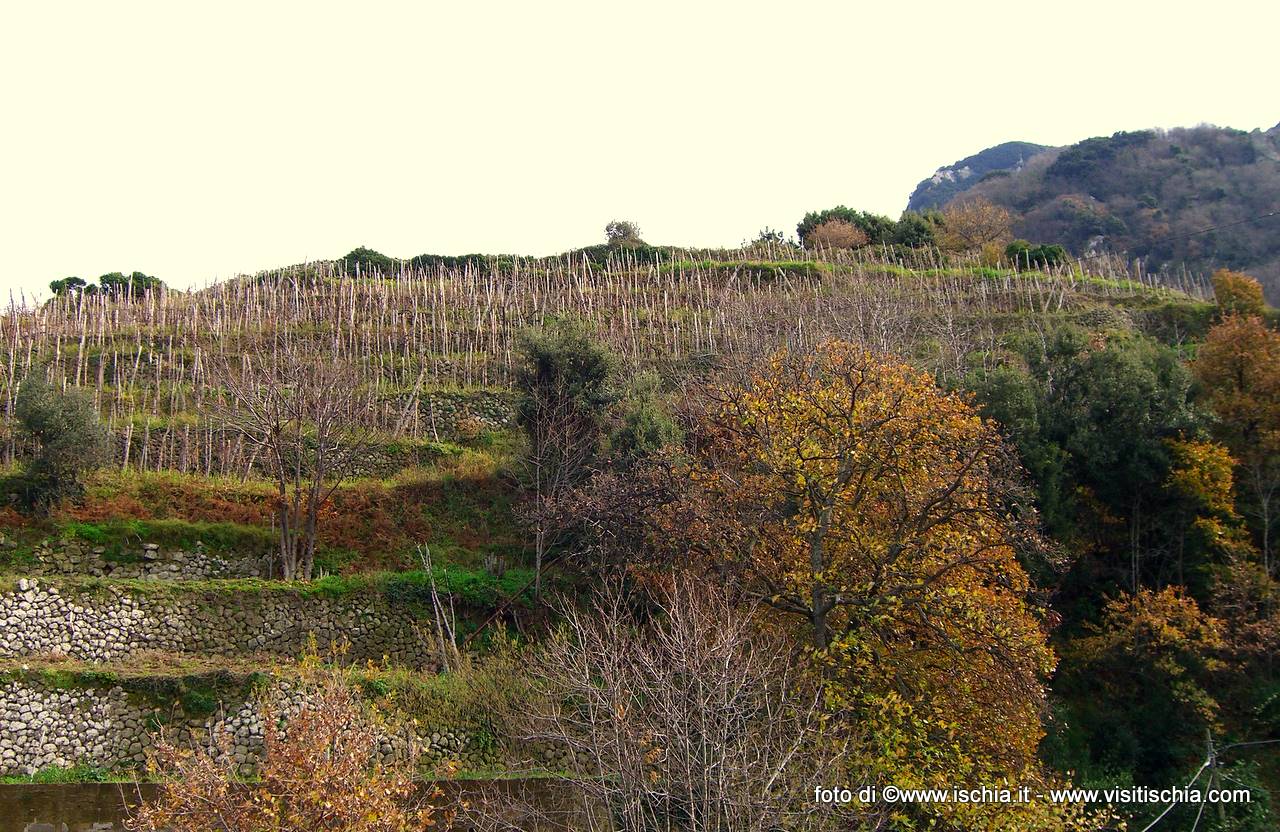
<point>111,728</point>
<point>144,560</point>
<point>110,622</point>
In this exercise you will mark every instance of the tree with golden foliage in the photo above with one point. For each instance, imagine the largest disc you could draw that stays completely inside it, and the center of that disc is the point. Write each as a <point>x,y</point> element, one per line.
<point>837,234</point>
<point>1151,659</point>
<point>1238,367</point>
<point>971,224</point>
<point>850,494</point>
<point>320,769</point>
<point>1237,293</point>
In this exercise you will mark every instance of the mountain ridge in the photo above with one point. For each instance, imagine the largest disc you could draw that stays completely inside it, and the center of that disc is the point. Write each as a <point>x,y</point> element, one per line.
<point>951,180</point>
<point>1197,198</point>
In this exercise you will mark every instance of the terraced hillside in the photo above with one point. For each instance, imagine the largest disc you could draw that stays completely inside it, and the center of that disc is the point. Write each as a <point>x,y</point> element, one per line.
<point>152,600</point>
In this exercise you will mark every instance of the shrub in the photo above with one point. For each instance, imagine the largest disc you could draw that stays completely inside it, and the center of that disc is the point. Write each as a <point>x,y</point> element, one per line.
<point>646,425</point>
<point>321,770</point>
<point>368,261</point>
<point>837,234</point>
<point>69,436</point>
<point>1025,256</point>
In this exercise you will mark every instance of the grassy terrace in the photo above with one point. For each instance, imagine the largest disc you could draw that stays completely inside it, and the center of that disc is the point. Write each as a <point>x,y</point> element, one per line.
<point>476,589</point>
<point>460,505</point>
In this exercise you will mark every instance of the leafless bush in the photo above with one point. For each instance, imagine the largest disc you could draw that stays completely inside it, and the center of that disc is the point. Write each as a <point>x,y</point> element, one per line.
<point>299,410</point>
<point>679,711</point>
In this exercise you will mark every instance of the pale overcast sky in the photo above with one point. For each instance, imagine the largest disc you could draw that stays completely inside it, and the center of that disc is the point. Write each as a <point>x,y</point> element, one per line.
<point>197,141</point>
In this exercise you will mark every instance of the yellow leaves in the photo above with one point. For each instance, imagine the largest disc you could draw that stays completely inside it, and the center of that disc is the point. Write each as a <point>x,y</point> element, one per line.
<point>1238,293</point>
<point>1155,624</point>
<point>849,488</point>
<point>1202,471</point>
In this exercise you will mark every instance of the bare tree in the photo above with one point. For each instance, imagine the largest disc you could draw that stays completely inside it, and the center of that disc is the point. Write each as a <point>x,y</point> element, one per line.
<point>678,710</point>
<point>299,410</point>
<point>837,234</point>
<point>560,446</point>
<point>969,224</point>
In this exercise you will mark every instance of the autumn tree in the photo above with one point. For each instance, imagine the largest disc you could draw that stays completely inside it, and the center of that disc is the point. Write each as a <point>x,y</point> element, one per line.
<point>865,469</point>
<point>837,234</point>
<point>851,495</point>
<point>320,769</point>
<point>301,413</point>
<point>1211,532</point>
<point>1237,293</point>
<point>1238,368</point>
<point>970,224</point>
<point>1143,678</point>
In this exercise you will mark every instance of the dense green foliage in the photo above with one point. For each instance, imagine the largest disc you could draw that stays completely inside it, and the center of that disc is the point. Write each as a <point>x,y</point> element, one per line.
<point>912,230</point>
<point>1024,255</point>
<point>69,437</point>
<point>645,423</point>
<point>1166,632</point>
<point>1091,421</point>
<point>567,383</point>
<point>119,284</point>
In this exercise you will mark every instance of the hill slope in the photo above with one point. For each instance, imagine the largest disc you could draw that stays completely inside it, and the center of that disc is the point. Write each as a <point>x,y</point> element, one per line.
<point>952,180</point>
<point>1154,194</point>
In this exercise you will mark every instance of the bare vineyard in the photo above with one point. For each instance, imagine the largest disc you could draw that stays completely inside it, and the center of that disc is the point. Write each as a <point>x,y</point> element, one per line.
<point>146,359</point>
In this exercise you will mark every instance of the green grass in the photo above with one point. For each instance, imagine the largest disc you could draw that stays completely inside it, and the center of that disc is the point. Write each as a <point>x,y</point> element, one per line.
<point>50,775</point>
<point>115,535</point>
<point>472,589</point>
<point>761,269</point>
<point>197,685</point>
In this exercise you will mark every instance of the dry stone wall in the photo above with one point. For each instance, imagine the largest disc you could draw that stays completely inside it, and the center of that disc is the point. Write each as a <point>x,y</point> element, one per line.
<point>109,727</point>
<point>108,621</point>
<point>148,561</point>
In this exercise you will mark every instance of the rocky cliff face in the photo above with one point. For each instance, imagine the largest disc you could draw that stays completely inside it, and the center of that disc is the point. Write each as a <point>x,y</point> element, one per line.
<point>952,180</point>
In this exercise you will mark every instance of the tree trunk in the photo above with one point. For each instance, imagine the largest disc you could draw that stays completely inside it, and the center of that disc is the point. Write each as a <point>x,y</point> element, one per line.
<point>540,542</point>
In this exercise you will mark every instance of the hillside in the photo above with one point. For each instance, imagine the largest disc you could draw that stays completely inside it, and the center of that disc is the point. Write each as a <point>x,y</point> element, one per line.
<point>949,182</point>
<point>1154,194</point>
<point>154,596</point>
